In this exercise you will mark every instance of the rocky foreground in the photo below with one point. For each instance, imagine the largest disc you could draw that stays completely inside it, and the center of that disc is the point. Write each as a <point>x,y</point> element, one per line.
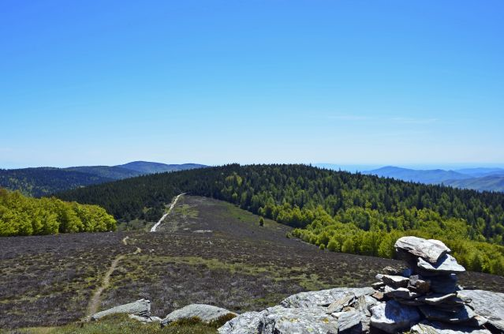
<point>425,298</point>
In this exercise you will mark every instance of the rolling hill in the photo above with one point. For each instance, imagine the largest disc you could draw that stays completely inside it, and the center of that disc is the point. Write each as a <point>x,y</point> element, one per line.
<point>434,176</point>
<point>44,181</point>
<point>340,211</point>
<point>481,179</point>
<point>144,167</point>
<point>486,183</point>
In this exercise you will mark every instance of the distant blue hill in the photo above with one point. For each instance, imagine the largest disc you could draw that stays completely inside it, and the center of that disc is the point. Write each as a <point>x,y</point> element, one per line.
<point>48,180</point>
<point>434,176</point>
<point>480,172</point>
<point>482,179</point>
<point>485,183</point>
<point>145,167</point>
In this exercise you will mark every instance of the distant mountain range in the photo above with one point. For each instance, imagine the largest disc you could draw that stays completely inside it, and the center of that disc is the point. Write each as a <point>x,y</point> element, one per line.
<point>482,179</point>
<point>48,180</point>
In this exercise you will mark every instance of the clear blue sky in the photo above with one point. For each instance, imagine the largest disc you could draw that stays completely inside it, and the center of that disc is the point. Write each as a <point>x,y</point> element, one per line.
<point>348,82</point>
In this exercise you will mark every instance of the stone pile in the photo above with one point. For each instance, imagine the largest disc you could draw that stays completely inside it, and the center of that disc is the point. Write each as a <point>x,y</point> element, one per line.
<point>423,299</point>
<point>428,289</point>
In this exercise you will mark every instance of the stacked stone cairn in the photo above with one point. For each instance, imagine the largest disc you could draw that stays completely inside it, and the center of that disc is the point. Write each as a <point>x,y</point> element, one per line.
<point>428,289</point>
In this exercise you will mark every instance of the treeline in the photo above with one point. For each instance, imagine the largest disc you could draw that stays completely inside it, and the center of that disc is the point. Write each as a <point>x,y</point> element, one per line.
<point>327,206</point>
<point>339,235</point>
<point>20,215</point>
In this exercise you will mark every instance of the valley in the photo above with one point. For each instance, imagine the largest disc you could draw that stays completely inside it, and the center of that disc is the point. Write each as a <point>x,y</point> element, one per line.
<point>205,251</point>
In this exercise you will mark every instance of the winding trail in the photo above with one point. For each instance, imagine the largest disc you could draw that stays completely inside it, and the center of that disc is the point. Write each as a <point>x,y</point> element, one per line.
<point>153,229</point>
<point>94,302</point>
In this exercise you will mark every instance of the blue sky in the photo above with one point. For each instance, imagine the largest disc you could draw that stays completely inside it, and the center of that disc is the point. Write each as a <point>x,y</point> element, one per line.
<point>346,82</point>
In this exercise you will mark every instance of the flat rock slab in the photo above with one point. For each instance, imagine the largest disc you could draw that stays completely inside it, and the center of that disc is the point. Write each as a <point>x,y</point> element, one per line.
<point>436,299</point>
<point>282,320</point>
<point>249,322</point>
<point>430,250</point>
<point>436,327</point>
<point>349,320</point>
<point>392,317</point>
<point>206,313</point>
<point>341,303</point>
<point>323,297</point>
<point>446,264</point>
<point>486,304</point>
<point>400,293</point>
<point>394,281</point>
<point>140,308</point>
<point>463,314</point>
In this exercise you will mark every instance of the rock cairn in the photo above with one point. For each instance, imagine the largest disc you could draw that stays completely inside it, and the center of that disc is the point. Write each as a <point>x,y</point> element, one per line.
<point>428,289</point>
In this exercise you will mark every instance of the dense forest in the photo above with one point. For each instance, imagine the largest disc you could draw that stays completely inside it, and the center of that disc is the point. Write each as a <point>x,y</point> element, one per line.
<point>43,181</point>
<point>339,211</point>
<point>39,182</point>
<point>20,215</point>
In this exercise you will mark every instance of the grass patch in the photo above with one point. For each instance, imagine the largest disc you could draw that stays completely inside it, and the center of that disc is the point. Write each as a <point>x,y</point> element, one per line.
<point>122,324</point>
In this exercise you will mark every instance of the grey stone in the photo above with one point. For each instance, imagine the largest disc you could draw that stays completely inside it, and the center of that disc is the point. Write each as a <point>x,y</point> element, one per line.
<point>341,303</point>
<point>435,299</point>
<point>463,314</point>
<point>395,281</point>
<point>377,285</point>
<point>282,320</point>
<point>249,322</point>
<point>392,317</point>
<point>436,327</point>
<point>401,293</point>
<point>446,264</point>
<point>323,297</point>
<point>348,320</point>
<point>430,250</point>
<point>486,304</point>
<point>140,308</point>
<point>206,313</point>
<point>418,285</point>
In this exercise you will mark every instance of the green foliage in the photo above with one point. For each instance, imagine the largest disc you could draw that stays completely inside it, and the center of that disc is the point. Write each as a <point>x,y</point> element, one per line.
<point>352,213</point>
<point>20,215</point>
<point>261,221</point>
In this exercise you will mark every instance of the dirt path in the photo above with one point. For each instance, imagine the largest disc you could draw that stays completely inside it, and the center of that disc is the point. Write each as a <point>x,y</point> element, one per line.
<point>94,303</point>
<point>153,229</point>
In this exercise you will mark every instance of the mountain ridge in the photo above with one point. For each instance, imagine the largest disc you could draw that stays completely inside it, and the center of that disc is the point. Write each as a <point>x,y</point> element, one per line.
<point>481,179</point>
<point>43,181</point>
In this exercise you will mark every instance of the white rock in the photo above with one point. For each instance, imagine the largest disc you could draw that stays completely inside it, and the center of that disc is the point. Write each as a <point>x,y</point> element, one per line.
<point>206,313</point>
<point>446,264</point>
<point>323,297</point>
<point>141,308</point>
<point>486,304</point>
<point>430,250</point>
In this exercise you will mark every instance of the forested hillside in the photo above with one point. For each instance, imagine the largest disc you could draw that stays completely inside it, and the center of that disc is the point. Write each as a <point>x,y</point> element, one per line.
<point>340,211</point>
<point>45,181</point>
<point>20,215</point>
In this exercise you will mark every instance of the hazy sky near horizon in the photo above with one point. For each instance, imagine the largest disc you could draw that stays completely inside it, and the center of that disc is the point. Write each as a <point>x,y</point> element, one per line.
<point>347,82</point>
